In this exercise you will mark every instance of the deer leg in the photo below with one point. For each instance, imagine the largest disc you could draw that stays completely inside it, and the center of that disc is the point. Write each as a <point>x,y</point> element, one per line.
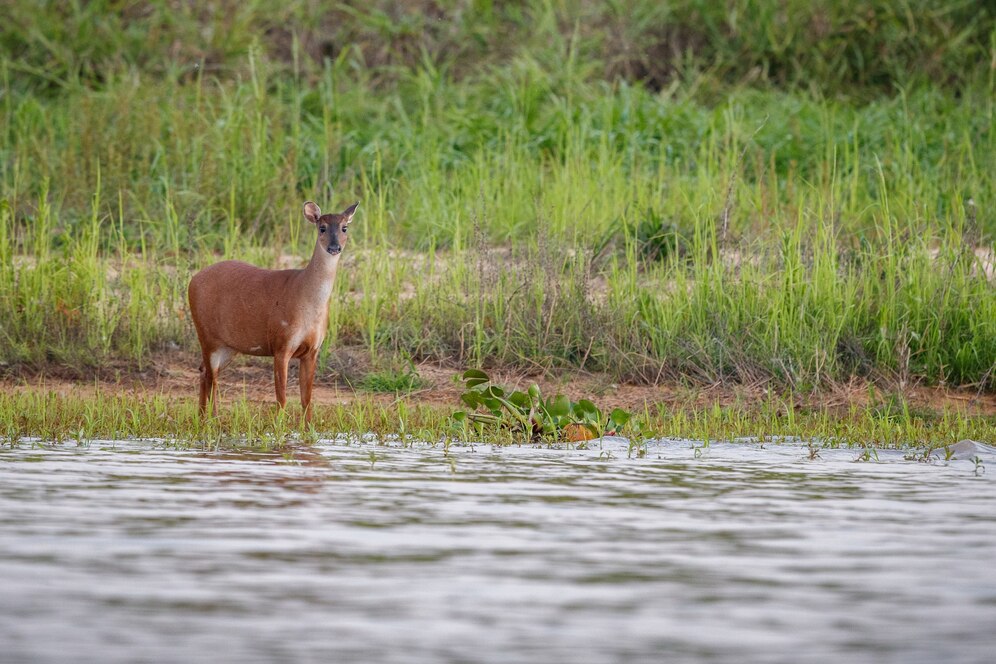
<point>207,384</point>
<point>306,377</point>
<point>214,392</point>
<point>213,363</point>
<point>280,361</point>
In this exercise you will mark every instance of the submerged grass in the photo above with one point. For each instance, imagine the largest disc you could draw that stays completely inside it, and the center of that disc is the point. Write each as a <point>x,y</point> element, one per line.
<point>60,418</point>
<point>32,415</point>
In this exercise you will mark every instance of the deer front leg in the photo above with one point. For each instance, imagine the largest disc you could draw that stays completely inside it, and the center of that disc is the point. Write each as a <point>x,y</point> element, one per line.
<point>306,377</point>
<point>280,361</point>
<point>207,381</point>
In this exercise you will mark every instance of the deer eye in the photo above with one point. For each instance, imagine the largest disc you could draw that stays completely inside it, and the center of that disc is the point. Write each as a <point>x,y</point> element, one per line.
<point>321,229</point>
<point>344,228</point>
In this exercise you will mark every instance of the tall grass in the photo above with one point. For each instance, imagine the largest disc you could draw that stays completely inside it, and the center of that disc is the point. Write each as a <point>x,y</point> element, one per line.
<point>542,210</point>
<point>854,47</point>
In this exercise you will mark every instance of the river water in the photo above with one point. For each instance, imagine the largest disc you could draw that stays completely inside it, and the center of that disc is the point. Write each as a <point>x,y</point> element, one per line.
<point>354,551</point>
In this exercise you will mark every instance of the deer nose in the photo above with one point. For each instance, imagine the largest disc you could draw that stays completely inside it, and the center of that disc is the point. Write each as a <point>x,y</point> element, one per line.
<point>334,249</point>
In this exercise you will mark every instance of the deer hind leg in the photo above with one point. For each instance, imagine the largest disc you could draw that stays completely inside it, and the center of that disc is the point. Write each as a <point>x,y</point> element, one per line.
<point>306,377</point>
<point>213,363</point>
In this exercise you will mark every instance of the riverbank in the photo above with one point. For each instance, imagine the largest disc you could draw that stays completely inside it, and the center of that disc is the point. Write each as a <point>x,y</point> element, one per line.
<point>745,221</point>
<point>159,401</point>
<point>175,375</point>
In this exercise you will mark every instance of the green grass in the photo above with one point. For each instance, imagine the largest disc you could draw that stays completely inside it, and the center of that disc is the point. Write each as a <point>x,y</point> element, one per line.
<point>852,46</point>
<point>833,206</point>
<point>392,380</point>
<point>37,415</point>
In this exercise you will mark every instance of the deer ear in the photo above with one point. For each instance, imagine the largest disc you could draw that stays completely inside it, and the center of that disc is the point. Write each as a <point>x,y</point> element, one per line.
<point>312,212</point>
<point>348,212</point>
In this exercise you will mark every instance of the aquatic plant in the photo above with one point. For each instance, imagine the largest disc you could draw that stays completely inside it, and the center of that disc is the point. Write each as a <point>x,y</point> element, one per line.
<point>531,416</point>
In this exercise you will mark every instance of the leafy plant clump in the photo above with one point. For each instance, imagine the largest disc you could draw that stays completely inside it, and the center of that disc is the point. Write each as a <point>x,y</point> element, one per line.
<point>530,415</point>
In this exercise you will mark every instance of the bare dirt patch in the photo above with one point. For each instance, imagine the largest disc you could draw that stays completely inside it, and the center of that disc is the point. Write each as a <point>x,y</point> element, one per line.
<point>175,374</point>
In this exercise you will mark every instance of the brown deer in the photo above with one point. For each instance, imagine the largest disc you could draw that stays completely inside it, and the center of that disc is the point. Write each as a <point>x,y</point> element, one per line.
<point>284,314</point>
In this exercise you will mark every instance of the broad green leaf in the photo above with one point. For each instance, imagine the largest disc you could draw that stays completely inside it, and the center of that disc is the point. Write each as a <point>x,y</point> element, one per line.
<point>494,405</point>
<point>559,406</point>
<point>619,417</point>
<point>586,408</point>
<point>520,399</point>
<point>475,377</point>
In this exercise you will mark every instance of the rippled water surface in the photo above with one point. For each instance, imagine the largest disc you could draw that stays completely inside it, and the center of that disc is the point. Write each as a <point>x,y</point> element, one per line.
<point>362,552</point>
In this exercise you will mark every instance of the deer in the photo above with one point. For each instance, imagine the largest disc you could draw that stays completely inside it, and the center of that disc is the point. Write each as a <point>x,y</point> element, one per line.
<point>240,308</point>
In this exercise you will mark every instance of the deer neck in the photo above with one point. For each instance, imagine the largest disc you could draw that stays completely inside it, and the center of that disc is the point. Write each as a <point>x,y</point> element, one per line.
<point>316,279</point>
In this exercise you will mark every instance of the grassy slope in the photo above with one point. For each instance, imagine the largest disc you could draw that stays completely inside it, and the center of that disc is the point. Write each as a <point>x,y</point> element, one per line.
<point>796,197</point>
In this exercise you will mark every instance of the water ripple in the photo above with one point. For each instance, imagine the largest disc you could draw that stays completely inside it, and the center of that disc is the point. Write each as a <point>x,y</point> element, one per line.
<point>356,551</point>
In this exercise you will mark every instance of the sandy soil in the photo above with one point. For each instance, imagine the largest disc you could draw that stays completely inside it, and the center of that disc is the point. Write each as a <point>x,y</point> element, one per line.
<point>176,375</point>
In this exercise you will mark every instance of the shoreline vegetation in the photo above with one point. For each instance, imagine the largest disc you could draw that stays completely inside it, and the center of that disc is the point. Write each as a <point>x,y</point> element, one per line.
<point>683,197</point>
<point>419,402</point>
